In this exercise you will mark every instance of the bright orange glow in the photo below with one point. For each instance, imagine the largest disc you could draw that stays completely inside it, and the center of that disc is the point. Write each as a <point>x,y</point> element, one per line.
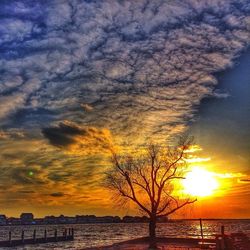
<point>200,182</point>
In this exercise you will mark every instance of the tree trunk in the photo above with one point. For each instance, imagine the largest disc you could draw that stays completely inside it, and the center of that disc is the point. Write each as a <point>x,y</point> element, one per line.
<point>152,234</point>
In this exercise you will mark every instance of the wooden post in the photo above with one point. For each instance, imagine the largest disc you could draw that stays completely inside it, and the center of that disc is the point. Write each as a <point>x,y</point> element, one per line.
<point>55,234</point>
<point>202,238</point>
<point>72,229</point>
<point>45,235</point>
<point>222,230</point>
<point>34,235</point>
<point>22,236</point>
<point>65,233</point>
<point>10,238</point>
<point>217,241</point>
<point>223,240</point>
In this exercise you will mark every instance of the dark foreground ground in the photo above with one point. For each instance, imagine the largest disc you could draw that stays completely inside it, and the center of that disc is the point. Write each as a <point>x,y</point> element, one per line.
<point>163,244</point>
<point>236,241</point>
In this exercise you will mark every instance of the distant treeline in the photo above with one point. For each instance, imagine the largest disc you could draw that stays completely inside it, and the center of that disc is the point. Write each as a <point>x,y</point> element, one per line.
<point>28,219</point>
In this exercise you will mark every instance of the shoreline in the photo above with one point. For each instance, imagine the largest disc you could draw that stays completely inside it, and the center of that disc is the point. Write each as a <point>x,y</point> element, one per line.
<point>125,223</point>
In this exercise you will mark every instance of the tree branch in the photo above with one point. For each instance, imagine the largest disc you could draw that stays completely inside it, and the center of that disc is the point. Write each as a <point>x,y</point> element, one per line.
<point>177,208</point>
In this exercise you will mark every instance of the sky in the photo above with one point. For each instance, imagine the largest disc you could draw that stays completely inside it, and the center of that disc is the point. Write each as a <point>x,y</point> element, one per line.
<point>77,77</point>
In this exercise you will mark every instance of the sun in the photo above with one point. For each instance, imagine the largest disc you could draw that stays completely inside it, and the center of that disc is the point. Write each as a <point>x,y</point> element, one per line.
<point>200,182</point>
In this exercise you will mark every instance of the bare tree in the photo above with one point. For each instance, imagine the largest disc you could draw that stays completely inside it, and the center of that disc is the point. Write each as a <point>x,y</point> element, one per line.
<point>148,179</point>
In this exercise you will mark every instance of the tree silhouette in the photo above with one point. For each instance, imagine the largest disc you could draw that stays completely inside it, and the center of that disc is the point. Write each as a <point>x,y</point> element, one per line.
<point>148,179</point>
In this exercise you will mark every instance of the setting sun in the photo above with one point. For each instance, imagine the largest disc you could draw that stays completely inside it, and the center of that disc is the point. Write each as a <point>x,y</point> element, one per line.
<point>200,182</point>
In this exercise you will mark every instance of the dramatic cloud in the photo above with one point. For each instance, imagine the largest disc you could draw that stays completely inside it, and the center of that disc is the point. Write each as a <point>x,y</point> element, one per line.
<point>73,73</point>
<point>63,135</point>
<point>46,176</point>
<point>139,67</point>
<point>75,138</point>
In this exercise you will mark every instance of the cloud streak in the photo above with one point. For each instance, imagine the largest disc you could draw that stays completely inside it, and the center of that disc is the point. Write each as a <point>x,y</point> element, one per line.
<point>135,63</point>
<point>85,140</point>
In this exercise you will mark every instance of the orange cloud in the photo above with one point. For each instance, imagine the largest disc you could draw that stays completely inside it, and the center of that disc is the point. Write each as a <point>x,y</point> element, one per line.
<point>78,139</point>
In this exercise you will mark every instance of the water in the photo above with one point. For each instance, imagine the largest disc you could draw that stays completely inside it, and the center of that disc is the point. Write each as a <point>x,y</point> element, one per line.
<point>94,235</point>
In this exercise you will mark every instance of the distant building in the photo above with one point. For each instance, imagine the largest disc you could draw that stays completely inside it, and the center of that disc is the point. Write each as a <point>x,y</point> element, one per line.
<point>3,219</point>
<point>85,219</point>
<point>27,218</point>
<point>50,220</point>
<point>108,219</point>
<point>134,219</point>
<point>61,219</point>
<point>71,220</point>
<point>39,221</point>
<point>13,221</point>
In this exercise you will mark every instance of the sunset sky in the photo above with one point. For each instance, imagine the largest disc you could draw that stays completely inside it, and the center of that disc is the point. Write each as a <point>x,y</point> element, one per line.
<point>78,77</point>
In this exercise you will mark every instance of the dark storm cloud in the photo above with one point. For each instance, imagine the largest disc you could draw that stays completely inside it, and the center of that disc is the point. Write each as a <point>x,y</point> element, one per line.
<point>63,134</point>
<point>67,134</point>
<point>58,194</point>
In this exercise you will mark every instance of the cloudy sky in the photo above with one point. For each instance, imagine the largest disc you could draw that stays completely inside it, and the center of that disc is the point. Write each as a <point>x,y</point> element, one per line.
<point>80,76</point>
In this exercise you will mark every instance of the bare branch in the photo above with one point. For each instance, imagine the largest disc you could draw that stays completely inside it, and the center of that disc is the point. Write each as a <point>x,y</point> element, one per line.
<point>177,208</point>
<point>148,180</point>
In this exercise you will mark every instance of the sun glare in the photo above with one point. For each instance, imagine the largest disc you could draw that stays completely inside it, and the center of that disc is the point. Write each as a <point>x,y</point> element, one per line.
<point>200,182</point>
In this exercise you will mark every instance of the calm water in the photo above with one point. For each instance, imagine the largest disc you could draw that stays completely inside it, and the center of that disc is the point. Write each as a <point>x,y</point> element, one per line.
<point>93,235</point>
